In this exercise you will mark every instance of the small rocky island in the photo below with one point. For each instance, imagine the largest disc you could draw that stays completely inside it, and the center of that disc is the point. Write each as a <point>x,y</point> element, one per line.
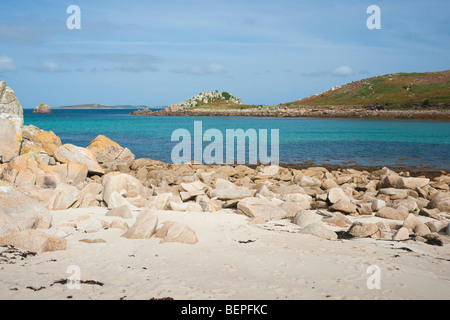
<point>42,108</point>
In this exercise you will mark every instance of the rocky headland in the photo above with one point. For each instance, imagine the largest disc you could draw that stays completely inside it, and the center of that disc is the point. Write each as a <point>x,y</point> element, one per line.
<point>60,197</point>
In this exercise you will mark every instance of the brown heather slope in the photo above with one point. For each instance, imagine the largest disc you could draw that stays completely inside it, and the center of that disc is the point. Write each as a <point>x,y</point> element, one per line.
<point>391,91</point>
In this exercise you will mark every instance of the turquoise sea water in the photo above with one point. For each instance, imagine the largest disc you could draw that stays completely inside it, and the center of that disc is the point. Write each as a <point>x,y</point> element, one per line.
<point>367,142</point>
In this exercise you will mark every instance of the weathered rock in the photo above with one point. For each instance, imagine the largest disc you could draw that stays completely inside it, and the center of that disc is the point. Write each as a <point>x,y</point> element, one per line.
<point>363,230</point>
<point>303,200</point>
<point>421,230</point>
<point>88,224</point>
<point>411,222</point>
<point>389,181</point>
<point>309,182</point>
<point>431,213</point>
<point>290,189</point>
<point>42,108</point>
<point>144,227</point>
<point>394,194</point>
<point>440,201</point>
<point>231,194</point>
<point>328,184</point>
<point>71,153</point>
<point>411,183</point>
<point>337,219</point>
<point>33,241</point>
<point>108,152</point>
<point>159,202</point>
<point>119,224</point>
<point>122,212</point>
<point>64,197</point>
<point>436,226</point>
<point>11,122</point>
<point>126,185</point>
<point>344,206</point>
<point>306,217</point>
<point>37,140</point>
<point>364,209</point>
<point>391,213</point>
<point>336,194</point>
<point>208,205</point>
<point>172,231</point>
<point>318,229</point>
<point>401,234</point>
<point>378,204</point>
<point>19,212</point>
<point>267,209</point>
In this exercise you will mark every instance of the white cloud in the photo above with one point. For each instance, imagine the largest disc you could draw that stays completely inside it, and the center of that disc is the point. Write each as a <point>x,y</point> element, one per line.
<point>343,71</point>
<point>210,69</point>
<point>6,64</point>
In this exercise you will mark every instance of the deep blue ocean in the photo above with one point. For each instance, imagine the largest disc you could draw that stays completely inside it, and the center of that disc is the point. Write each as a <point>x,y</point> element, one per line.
<point>312,141</point>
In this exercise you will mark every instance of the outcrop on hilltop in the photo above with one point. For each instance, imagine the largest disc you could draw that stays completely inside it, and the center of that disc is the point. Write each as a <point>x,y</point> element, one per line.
<point>11,122</point>
<point>42,108</point>
<point>205,98</point>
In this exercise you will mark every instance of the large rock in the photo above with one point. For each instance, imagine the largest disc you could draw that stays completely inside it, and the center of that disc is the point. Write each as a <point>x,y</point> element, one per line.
<point>108,152</point>
<point>391,213</point>
<point>336,194</point>
<point>42,108</point>
<point>11,122</point>
<point>411,183</point>
<point>144,227</point>
<point>36,140</point>
<point>401,234</point>
<point>363,230</point>
<point>71,153</point>
<point>394,194</point>
<point>64,197</point>
<point>124,184</point>
<point>344,206</point>
<point>231,194</point>
<point>33,241</point>
<point>319,229</point>
<point>265,208</point>
<point>19,212</point>
<point>172,231</point>
<point>306,217</point>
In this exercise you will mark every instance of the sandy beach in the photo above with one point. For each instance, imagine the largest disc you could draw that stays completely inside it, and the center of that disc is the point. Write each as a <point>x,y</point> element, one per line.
<point>232,260</point>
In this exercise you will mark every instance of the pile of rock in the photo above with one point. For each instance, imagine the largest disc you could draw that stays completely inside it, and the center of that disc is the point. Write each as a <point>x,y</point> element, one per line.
<point>47,175</point>
<point>203,98</point>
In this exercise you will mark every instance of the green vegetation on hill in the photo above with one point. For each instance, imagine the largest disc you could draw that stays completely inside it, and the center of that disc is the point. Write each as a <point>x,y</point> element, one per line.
<point>392,91</point>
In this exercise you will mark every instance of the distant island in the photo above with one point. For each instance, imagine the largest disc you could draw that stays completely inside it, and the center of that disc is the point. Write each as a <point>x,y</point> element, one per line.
<point>401,95</point>
<point>99,106</point>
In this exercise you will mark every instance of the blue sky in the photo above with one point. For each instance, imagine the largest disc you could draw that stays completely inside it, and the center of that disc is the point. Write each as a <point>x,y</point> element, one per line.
<point>161,52</point>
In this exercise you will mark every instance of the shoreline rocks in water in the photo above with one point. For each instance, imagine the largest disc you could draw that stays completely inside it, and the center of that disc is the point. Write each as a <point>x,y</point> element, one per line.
<point>42,108</point>
<point>306,112</point>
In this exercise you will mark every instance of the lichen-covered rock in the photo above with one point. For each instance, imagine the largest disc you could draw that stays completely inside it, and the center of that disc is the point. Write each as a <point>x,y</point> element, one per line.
<point>71,153</point>
<point>11,122</point>
<point>36,140</point>
<point>108,152</point>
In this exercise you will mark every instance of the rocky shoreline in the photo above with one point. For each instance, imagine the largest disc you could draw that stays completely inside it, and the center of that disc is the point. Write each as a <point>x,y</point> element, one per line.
<point>100,204</point>
<point>322,112</point>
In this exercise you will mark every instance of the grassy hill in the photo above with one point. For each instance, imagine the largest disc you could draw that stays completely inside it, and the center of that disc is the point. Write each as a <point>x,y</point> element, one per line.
<point>392,91</point>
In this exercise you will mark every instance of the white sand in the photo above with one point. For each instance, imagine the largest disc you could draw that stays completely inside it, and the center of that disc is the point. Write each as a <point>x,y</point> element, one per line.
<point>280,264</point>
